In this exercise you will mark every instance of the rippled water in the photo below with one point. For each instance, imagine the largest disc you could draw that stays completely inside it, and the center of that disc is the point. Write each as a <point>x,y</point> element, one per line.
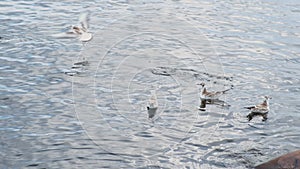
<point>94,116</point>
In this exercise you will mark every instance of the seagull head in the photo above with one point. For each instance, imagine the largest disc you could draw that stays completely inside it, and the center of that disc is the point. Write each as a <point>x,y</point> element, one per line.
<point>266,102</point>
<point>267,97</point>
<point>76,29</point>
<point>201,84</point>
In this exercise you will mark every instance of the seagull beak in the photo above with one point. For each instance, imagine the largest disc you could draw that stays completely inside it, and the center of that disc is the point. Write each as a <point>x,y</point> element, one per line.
<point>201,84</point>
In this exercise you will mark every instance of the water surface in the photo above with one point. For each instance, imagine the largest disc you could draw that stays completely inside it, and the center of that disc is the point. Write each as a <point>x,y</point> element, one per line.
<point>94,116</point>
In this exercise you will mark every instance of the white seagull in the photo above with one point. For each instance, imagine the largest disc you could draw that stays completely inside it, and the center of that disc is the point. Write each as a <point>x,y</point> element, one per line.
<point>78,31</point>
<point>152,105</point>
<point>261,109</point>
<point>210,96</point>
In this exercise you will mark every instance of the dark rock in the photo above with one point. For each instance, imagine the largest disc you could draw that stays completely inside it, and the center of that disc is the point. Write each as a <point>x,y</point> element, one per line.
<point>288,161</point>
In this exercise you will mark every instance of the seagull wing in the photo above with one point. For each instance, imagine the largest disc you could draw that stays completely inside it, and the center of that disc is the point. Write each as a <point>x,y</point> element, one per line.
<point>259,110</point>
<point>84,19</point>
<point>214,95</point>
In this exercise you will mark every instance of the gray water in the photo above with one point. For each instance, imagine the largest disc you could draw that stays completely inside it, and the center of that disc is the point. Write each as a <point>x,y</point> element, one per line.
<point>94,116</point>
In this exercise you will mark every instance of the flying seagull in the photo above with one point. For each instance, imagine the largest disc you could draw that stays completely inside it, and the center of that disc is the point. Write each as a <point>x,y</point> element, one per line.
<point>78,31</point>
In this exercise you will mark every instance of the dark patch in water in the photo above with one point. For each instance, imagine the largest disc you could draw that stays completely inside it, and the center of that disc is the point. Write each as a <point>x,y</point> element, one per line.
<point>169,71</point>
<point>32,165</point>
<point>4,98</point>
<point>82,63</point>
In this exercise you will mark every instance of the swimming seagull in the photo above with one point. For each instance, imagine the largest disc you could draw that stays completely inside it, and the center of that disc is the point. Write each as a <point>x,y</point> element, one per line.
<point>210,96</point>
<point>261,109</point>
<point>152,105</point>
<point>78,31</point>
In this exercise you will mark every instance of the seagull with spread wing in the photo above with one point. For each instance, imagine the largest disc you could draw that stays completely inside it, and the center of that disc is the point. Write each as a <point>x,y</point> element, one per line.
<point>78,31</point>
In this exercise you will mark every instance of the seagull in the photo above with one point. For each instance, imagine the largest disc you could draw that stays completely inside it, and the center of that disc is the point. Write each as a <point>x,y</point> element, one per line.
<point>261,109</point>
<point>153,105</point>
<point>213,95</point>
<point>78,31</point>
